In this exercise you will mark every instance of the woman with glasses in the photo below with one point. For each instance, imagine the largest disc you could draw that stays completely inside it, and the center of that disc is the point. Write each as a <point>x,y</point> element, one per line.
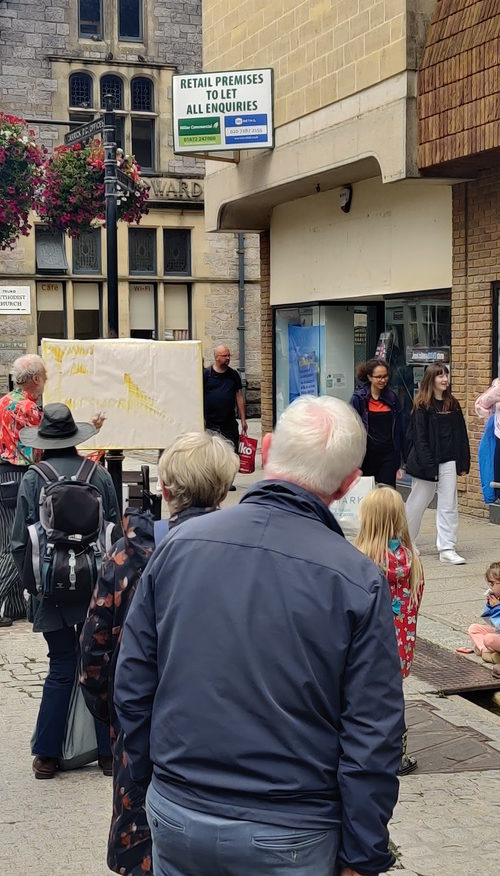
<point>381,413</point>
<point>438,451</point>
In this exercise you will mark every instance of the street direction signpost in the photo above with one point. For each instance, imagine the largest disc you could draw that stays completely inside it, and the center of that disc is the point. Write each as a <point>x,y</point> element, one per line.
<point>85,132</point>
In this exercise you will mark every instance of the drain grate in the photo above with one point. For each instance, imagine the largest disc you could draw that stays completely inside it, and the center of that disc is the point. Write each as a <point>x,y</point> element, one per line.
<point>449,673</point>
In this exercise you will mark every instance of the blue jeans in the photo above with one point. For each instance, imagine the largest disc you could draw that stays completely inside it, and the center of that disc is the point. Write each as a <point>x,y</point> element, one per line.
<point>51,721</point>
<point>191,843</point>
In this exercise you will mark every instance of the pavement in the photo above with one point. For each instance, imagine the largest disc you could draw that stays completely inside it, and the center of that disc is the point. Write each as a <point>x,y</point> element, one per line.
<point>444,822</point>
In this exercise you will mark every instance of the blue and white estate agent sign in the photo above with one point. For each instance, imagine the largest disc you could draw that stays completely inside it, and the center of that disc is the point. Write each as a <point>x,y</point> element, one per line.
<point>215,112</point>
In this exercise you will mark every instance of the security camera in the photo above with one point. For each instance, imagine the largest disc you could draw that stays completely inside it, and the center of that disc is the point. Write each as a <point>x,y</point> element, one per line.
<point>345,197</point>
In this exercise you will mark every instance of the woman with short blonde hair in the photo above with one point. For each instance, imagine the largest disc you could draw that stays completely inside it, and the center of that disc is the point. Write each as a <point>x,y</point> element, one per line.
<point>197,471</point>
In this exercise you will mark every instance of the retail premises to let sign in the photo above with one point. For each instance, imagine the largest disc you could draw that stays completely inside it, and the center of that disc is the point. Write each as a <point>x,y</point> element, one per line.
<point>217,112</point>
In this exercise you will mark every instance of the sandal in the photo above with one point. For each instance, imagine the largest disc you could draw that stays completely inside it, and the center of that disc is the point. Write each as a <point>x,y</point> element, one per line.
<point>407,765</point>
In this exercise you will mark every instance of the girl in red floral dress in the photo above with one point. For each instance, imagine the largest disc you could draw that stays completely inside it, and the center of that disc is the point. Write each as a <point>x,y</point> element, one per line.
<point>384,537</point>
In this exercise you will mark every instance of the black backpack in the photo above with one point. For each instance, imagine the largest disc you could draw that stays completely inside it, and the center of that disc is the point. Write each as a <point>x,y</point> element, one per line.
<point>66,545</point>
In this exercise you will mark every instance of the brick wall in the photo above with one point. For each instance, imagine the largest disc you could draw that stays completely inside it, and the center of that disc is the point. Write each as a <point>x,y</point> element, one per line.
<point>476,266</point>
<point>321,50</point>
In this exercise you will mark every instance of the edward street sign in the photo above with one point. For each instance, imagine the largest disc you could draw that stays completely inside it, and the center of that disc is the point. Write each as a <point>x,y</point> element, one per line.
<point>85,132</point>
<point>125,182</point>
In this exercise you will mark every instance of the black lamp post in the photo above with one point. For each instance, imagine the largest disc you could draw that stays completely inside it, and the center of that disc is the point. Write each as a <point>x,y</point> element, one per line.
<point>114,458</point>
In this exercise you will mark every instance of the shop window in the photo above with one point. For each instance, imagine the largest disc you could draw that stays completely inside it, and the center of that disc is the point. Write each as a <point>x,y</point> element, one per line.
<point>141,97</point>
<point>87,252</point>
<point>419,332</point>
<point>177,312</point>
<point>51,310</point>
<point>87,311</point>
<point>143,142</point>
<point>81,90</point>
<point>112,85</point>
<point>142,250</point>
<point>50,251</point>
<point>90,19</point>
<point>177,251</point>
<point>142,304</point>
<point>130,19</point>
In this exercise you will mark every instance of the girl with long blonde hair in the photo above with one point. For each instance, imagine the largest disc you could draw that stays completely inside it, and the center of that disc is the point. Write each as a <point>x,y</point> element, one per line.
<point>384,537</point>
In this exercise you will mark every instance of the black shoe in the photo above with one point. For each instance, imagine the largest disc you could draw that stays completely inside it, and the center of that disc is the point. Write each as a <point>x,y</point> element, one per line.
<point>106,764</point>
<point>6,621</point>
<point>408,764</point>
<point>232,488</point>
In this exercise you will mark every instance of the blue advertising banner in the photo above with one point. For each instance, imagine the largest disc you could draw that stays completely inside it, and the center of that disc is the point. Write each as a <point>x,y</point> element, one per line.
<point>305,348</point>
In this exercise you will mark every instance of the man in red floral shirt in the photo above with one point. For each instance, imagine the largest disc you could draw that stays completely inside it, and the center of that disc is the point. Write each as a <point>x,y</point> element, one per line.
<point>18,409</point>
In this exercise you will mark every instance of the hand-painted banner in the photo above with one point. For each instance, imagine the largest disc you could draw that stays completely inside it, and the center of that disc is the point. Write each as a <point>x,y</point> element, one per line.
<point>149,391</point>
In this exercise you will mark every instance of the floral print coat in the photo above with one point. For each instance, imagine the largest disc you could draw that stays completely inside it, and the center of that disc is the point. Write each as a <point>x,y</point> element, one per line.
<point>129,843</point>
<point>405,612</point>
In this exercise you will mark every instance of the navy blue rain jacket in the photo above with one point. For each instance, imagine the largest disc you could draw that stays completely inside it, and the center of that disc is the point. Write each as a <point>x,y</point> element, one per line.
<point>259,674</point>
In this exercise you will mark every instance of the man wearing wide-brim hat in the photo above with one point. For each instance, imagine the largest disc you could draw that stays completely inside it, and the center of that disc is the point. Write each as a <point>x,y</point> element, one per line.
<point>58,436</point>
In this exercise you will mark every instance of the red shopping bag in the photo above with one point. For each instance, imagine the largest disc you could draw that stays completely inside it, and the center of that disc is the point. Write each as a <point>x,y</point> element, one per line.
<point>247,449</point>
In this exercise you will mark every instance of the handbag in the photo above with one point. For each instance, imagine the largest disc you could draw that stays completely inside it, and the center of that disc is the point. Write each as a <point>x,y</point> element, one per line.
<point>247,451</point>
<point>80,742</point>
<point>346,509</point>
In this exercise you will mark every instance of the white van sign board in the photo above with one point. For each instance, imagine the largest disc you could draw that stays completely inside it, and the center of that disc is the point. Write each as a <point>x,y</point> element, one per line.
<point>223,111</point>
<point>15,299</point>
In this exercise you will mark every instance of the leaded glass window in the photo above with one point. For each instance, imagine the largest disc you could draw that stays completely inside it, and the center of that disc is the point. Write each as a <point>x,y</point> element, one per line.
<point>112,85</point>
<point>87,252</point>
<point>177,250</point>
<point>142,250</point>
<point>80,90</point>
<point>142,95</point>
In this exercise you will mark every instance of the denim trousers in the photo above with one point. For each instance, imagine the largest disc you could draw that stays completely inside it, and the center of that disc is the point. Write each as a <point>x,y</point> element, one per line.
<point>51,721</point>
<point>191,843</point>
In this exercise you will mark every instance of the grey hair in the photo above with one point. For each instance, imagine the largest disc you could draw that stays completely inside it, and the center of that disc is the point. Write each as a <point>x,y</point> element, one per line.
<point>197,470</point>
<point>317,443</point>
<point>26,368</point>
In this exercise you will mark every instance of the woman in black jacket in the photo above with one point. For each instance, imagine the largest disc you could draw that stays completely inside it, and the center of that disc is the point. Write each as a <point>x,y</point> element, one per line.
<point>437,450</point>
<point>380,410</point>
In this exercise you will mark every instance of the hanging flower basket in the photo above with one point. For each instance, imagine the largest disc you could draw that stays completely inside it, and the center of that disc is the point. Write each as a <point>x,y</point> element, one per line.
<point>71,198</point>
<point>21,162</point>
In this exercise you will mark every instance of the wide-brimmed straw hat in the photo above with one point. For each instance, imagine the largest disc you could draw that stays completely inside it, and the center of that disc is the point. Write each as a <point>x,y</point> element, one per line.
<point>57,429</point>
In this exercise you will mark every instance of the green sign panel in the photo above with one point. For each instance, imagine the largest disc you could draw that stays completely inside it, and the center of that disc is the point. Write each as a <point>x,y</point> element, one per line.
<point>203,131</point>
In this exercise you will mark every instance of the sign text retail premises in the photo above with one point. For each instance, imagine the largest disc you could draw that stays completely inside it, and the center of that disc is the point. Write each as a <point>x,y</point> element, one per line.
<point>223,111</point>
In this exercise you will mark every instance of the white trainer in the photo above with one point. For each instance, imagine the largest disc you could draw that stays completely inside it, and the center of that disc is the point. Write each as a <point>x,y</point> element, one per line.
<point>451,557</point>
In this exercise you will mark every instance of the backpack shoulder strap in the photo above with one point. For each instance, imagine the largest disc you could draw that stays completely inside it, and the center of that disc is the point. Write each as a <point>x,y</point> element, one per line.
<point>86,470</point>
<point>46,471</point>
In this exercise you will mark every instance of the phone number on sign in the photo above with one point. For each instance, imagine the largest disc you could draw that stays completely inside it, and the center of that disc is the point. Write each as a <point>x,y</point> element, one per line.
<point>244,132</point>
<point>210,138</point>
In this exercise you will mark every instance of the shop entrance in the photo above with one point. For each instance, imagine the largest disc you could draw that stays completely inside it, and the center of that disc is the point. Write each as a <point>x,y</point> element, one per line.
<point>317,348</point>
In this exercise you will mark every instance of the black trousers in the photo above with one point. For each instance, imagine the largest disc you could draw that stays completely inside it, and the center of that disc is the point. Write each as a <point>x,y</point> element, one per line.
<point>382,465</point>
<point>228,430</point>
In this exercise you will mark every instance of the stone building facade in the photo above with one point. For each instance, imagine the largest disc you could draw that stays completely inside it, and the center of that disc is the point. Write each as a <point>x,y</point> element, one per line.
<point>175,280</point>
